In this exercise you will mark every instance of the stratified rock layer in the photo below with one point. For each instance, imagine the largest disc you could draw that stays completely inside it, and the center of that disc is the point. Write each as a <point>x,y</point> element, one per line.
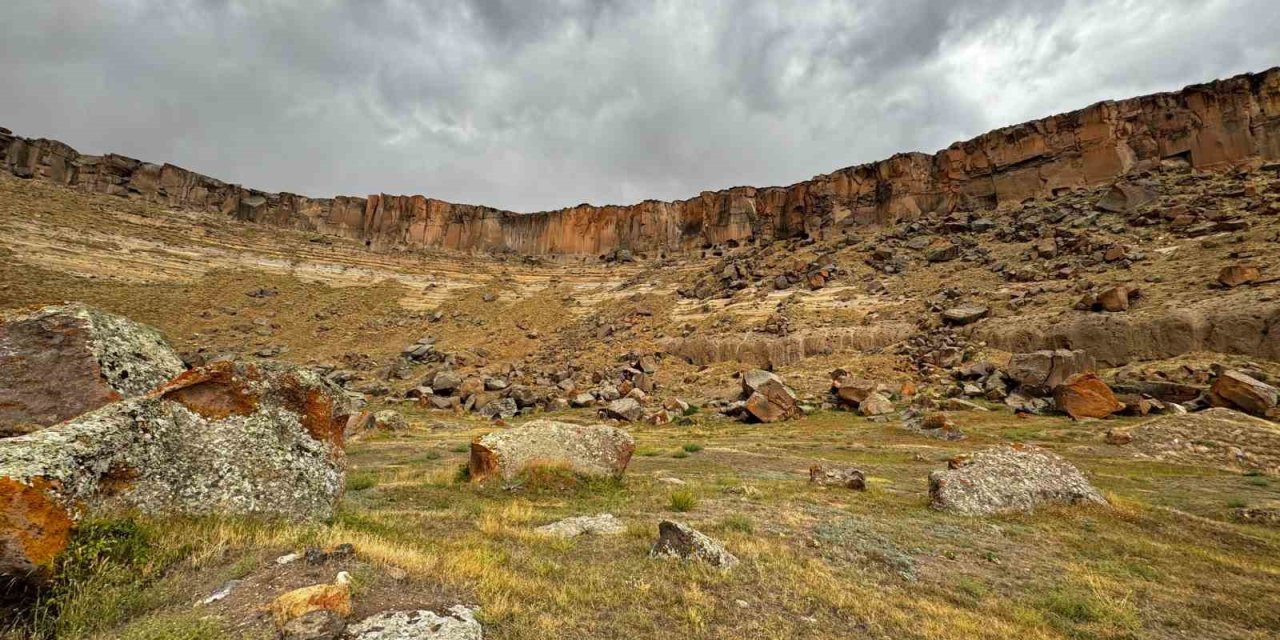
<point>229,438</point>
<point>1212,125</point>
<point>61,361</point>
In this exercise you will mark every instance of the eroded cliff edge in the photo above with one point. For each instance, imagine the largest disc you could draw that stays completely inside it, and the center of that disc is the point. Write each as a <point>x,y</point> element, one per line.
<point>1214,125</point>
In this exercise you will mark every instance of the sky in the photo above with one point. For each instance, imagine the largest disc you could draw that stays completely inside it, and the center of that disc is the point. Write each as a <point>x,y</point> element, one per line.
<point>529,105</point>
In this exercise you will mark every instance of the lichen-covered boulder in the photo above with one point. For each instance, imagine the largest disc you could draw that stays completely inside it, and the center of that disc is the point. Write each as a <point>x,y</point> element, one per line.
<point>605,524</point>
<point>229,438</point>
<point>1009,478</point>
<point>679,540</point>
<point>61,361</point>
<point>590,450</point>
<point>458,624</point>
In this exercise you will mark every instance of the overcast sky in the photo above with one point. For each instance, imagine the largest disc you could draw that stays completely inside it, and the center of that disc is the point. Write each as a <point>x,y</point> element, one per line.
<point>535,105</point>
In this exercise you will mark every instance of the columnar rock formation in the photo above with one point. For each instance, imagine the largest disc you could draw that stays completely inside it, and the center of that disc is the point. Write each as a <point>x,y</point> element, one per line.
<point>1210,126</point>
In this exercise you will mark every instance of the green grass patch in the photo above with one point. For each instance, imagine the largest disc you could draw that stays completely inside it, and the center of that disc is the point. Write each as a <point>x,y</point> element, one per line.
<point>682,500</point>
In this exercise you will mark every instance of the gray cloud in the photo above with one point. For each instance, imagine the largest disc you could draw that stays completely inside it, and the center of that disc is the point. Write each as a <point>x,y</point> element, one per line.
<point>534,105</point>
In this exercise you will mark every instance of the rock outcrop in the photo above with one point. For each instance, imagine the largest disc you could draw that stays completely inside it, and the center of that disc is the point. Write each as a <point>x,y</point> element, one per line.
<point>229,438</point>
<point>458,624</point>
<point>1218,438</point>
<point>1009,478</point>
<point>1212,125</point>
<point>61,361</point>
<point>590,450</point>
<point>679,540</point>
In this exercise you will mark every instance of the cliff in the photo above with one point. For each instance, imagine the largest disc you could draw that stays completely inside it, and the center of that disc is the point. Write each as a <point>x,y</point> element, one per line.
<point>1214,125</point>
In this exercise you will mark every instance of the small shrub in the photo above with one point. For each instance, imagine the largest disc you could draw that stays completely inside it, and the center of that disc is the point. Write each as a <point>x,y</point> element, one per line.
<point>680,454</point>
<point>738,522</point>
<point>361,480</point>
<point>683,500</point>
<point>461,448</point>
<point>693,447</point>
<point>463,474</point>
<point>693,409</point>
<point>1237,503</point>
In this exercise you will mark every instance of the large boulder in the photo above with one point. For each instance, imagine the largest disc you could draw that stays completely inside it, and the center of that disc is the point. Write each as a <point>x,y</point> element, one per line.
<point>1085,395</point>
<point>591,450</point>
<point>768,398</point>
<point>1238,391</point>
<point>1009,478</point>
<point>228,439</point>
<point>61,361</point>
<point>1040,372</point>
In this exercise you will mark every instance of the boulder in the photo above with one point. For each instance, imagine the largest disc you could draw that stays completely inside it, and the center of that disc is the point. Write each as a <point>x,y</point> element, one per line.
<point>446,382</point>
<point>61,361</point>
<point>768,398</point>
<point>1236,390</point>
<point>229,438</point>
<point>1085,395</point>
<point>1124,197</point>
<point>1238,274</point>
<point>499,408</point>
<point>965,314</point>
<point>1009,478</point>
<point>848,478</point>
<point>334,597</point>
<point>1114,299</point>
<point>321,624</point>
<point>679,540</point>
<point>626,409</point>
<point>1040,372</point>
<point>389,420</point>
<point>1219,438</point>
<point>852,391</point>
<point>602,525</point>
<point>875,404</point>
<point>592,450</point>
<point>458,624</point>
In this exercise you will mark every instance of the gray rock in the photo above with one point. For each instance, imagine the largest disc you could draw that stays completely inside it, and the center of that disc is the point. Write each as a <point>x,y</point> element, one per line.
<point>504,408</point>
<point>1009,478</point>
<point>582,400</point>
<point>321,624</point>
<point>679,540</point>
<point>627,409</point>
<point>446,382</point>
<point>1039,372</point>
<point>966,314</point>
<point>601,525</point>
<point>458,624</point>
<point>875,404</point>
<point>389,420</point>
<point>592,450</point>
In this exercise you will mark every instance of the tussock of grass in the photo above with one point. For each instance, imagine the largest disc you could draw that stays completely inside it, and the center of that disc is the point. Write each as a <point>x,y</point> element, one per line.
<point>682,500</point>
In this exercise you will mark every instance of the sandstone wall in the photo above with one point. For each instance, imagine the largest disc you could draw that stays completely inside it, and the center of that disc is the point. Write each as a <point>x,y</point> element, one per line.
<point>1212,125</point>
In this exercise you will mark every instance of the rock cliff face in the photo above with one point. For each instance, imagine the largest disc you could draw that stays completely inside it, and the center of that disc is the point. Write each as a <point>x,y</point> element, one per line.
<point>1213,125</point>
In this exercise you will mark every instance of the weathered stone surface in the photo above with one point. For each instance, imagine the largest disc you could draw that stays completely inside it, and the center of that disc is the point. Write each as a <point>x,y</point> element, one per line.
<point>604,524</point>
<point>1009,478</point>
<point>1085,395</point>
<point>1209,125</point>
<point>1238,274</point>
<point>229,438</point>
<point>1040,372</point>
<point>625,409</point>
<point>458,624</point>
<point>1114,299</point>
<point>875,404</point>
<point>61,361</point>
<point>321,624</point>
<point>679,540</point>
<point>966,314</point>
<point>1125,197</point>
<point>594,450</point>
<point>848,478</point>
<point>1239,391</point>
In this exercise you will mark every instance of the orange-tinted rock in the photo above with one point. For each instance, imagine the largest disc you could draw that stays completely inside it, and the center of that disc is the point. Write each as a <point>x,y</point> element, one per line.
<point>1086,396</point>
<point>1114,299</point>
<point>1211,125</point>
<point>334,597</point>
<point>1238,274</point>
<point>1239,391</point>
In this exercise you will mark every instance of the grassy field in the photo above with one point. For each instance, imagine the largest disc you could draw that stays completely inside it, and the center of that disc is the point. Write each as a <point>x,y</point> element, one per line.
<point>1163,561</point>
